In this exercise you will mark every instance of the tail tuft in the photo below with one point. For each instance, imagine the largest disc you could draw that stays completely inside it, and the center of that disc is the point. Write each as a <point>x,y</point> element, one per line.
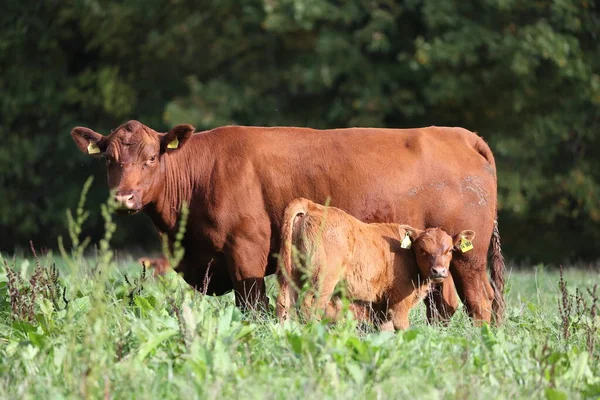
<point>497,275</point>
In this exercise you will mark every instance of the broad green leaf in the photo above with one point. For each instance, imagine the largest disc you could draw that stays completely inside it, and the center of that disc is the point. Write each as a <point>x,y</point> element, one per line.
<point>154,342</point>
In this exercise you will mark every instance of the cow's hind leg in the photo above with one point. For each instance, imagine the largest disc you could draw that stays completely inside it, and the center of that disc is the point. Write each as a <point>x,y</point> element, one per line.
<point>473,286</point>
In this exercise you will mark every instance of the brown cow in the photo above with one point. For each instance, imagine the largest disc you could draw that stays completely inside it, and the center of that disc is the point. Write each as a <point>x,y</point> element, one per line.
<point>238,180</point>
<point>371,259</point>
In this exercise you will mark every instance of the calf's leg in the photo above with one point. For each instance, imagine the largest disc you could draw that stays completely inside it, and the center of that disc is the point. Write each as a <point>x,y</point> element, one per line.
<point>319,297</point>
<point>284,302</point>
<point>325,271</point>
<point>402,299</point>
<point>441,302</point>
<point>288,294</point>
<point>399,315</point>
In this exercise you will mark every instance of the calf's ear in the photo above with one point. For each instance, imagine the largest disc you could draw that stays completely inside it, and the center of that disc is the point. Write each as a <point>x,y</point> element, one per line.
<point>88,141</point>
<point>413,233</point>
<point>175,138</point>
<point>466,235</point>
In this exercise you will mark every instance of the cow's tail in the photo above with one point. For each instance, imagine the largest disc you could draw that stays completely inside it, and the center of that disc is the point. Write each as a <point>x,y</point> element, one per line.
<point>497,275</point>
<point>497,259</point>
<point>288,292</point>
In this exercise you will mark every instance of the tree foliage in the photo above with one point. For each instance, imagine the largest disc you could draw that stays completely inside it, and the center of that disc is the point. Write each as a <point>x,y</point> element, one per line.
<point>524,75</point>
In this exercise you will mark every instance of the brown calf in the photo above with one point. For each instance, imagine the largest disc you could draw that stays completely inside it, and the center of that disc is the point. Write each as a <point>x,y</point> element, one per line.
<point>373,259</point>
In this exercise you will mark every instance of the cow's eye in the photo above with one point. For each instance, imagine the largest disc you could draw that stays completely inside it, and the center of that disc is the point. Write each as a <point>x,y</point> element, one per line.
<point>152,159</point>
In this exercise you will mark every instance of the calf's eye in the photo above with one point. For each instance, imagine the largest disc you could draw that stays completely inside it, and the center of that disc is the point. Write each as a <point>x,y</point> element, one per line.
<point>152,159</point>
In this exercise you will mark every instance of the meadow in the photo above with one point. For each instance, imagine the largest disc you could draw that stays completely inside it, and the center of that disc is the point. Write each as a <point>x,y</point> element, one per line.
<point>95,324</point>
<point>117,332</point>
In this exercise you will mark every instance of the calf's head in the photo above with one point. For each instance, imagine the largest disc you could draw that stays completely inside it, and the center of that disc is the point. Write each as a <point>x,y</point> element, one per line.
<point>134,154</point>
<point>433,249</point>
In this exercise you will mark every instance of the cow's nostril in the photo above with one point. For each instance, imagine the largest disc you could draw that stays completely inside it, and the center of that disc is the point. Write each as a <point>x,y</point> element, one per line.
<point>124,200</point>
<point>439,272</point>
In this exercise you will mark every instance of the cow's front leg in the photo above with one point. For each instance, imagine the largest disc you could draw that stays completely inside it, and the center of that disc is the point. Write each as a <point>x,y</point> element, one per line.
<point>248,250</point>
<point>207,272</point>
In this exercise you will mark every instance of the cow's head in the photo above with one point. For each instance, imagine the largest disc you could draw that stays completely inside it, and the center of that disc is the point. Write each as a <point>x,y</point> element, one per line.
<point>433,249</point>
<point>133,154</point>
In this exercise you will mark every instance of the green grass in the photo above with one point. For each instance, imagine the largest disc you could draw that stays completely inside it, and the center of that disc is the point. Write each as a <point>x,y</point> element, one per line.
<point>160,339</point>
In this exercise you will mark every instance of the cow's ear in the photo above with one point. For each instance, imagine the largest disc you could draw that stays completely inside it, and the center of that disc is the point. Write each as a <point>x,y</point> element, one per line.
<point>466,238</point>
<point>175,138</point>
<point>88,141</point>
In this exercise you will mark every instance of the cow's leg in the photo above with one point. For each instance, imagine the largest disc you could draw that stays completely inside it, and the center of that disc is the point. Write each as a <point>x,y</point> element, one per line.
<point>441,302</point>
<point>473,286</point>
<point>248,251</point>
<point>206,272</point>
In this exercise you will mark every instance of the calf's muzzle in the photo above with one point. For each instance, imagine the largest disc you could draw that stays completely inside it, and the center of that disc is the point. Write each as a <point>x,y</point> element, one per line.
<point>438,273</point>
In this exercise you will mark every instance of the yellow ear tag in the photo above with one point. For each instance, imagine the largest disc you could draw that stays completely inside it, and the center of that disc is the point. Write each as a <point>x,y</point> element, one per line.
<point>406,243</point>
<point>465,245</point>
<point>93,148</point>
<point>173,144</point>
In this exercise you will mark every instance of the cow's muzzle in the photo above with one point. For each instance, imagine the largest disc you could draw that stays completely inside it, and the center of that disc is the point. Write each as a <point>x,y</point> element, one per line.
<point>438,274</point>
<point>126,201</point>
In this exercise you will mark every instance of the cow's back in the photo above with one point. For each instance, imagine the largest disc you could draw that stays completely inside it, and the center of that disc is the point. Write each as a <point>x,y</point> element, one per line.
<point>425,177</point>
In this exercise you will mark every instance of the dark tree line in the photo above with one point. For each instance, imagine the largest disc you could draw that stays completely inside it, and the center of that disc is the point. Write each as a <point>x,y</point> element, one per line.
<point>524,75</point>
